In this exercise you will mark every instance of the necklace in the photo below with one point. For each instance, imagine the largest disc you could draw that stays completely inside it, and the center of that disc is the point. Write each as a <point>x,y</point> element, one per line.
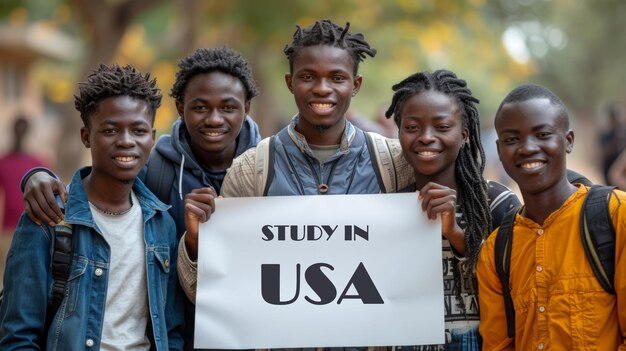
<point>110,213</point>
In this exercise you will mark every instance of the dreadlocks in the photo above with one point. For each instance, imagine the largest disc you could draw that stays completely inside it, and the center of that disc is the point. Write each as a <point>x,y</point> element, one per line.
<point>470,162</point>
<point>110,81</point>
<point>205,60</point>
<point>325,32</point>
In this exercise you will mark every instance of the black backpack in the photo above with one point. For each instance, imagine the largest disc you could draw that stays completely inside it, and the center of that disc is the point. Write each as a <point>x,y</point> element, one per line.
<point>598,239</point>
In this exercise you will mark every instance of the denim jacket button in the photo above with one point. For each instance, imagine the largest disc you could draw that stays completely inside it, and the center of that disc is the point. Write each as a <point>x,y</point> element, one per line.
<point>89,343</point>
<point>98,273</point>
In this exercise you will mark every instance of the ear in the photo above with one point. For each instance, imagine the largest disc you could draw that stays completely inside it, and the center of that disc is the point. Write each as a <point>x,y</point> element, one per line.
<point>357,84</point>
<point>465,136</point>
<point>288,79</point>
<point>569,136</point>
<point>84,137</point>
<point>180,108</point>
<point>498,149</point>
<point>246,108</point>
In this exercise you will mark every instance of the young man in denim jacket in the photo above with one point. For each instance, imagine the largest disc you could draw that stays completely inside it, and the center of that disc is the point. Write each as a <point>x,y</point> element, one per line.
<point>123,288</point>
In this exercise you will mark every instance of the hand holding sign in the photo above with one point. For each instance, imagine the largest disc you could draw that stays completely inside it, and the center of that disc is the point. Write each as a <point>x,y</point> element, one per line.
<point>199,204</point>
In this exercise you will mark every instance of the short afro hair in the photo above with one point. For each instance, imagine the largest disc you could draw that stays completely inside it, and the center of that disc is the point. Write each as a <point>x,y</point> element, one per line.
<point>325,32</point>
<point>527,92</point>
<point>206,60</point>
<point>110,81</point>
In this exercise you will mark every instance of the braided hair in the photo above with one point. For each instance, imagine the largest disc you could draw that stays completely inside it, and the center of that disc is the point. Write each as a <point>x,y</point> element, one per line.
<point>205,60</point>
<point>109,81</point>
<point>325,32</point>
<point>470,162</point>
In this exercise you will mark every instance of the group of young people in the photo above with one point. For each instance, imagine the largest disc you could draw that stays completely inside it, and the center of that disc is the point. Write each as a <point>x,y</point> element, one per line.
<point>134,255</point>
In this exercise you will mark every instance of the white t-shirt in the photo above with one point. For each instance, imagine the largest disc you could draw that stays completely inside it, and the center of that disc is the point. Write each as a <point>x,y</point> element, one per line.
<point>126,312</point>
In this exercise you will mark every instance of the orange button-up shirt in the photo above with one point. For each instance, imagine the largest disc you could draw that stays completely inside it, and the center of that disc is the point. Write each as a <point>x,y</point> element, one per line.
<point>559,303</point>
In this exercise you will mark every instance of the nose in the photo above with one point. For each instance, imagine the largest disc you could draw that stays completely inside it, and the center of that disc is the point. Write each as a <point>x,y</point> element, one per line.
<point>528,147</point>
<point>126,139</point>
<point>322,87</point>
<point>213,118</point>
<point>426,136</point>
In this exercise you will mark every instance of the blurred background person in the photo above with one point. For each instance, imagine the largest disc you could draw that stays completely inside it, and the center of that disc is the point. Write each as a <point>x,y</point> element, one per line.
<point>12,166</point>
<point>612,137</point>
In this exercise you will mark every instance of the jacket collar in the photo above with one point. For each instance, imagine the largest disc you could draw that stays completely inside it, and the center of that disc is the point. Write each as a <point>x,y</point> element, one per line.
<point>344,147</point>
<point>77,207</point>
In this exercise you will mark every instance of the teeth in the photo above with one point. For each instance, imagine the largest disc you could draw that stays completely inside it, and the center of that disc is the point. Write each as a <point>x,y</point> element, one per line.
<point>125,158</point>
<point>321,106</point>
<point>213,134</point>
<point>531,164</point>
<point>427,153</point>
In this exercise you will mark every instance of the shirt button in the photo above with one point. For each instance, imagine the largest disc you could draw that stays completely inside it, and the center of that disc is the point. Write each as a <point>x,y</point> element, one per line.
<point>89,343</point>
<point>540,232</point>
<point>540,346</point>
<point>539,268</point>
<point>542,309</point>
<point>98,273</point>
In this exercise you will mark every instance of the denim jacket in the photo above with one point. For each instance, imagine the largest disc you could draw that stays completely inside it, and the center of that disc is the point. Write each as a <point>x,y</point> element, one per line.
<point>77,325</point>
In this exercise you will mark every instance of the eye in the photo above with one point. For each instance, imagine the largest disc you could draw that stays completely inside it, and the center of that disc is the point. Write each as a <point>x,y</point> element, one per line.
<point>199,108</point>
<point>229,108</point>
<point>411,128</point>
<point>443,127</point>
<point>140,131</point>
<point>306,77</point>
<point>509,140</point>
<point>543,135</point>
<point>339,78</point>
<point>109,131</point>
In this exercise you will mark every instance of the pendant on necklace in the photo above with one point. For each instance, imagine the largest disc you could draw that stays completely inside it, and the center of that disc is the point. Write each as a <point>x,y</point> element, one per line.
<point>322,188</point>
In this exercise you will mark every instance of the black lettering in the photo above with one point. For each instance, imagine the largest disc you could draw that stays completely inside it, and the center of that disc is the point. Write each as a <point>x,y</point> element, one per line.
<point>320,283</point>
<point>270,284</point>
<point>267,231</point>
<point>363,284</point>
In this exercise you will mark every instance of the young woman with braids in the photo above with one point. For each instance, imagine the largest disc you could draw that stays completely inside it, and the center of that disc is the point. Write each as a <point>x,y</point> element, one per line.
<point>439,131</point>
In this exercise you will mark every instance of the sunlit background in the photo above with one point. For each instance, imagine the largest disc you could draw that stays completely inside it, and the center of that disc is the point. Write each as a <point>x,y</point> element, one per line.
<point>574,47</point>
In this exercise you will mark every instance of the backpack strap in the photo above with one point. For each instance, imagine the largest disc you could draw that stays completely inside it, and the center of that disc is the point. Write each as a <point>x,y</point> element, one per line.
<point>598,235</point>
<point>502,258</point>
<point>61,262</point>
<point>159,176</point>
<point>382,162</point>
<point>264,166</point>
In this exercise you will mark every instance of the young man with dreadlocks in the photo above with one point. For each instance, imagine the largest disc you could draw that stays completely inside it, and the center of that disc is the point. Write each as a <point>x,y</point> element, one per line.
<point>213,91</point>
<point>559,303</point>
<point>439,131</point>
<point>319,152</point>
<point>123,289</point>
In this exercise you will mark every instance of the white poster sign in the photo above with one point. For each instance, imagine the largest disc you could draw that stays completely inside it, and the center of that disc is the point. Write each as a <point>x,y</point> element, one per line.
<point>319,271</point>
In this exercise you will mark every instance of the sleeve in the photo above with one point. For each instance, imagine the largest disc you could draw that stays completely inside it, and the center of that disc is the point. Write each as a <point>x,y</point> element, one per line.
<point>240,179</point>
<point>174,309</point>
<point>27,281</point>
<point>33,171</point>
<point>187,271</point>
<point>405,173</point>
<point>619,221</point>
<point>492,314</point>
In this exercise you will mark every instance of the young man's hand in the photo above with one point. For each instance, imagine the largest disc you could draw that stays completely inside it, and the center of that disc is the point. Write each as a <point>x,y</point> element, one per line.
<point>199,204</point>
<point>39,198</point>
<point>439,200</point>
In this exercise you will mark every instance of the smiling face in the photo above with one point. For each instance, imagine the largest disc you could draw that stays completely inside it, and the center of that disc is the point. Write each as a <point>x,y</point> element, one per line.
<point>323,83</point>
<point>120,136</point>
<point>533,140</point>
<point>214,109</point>
<point>431,135</point>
